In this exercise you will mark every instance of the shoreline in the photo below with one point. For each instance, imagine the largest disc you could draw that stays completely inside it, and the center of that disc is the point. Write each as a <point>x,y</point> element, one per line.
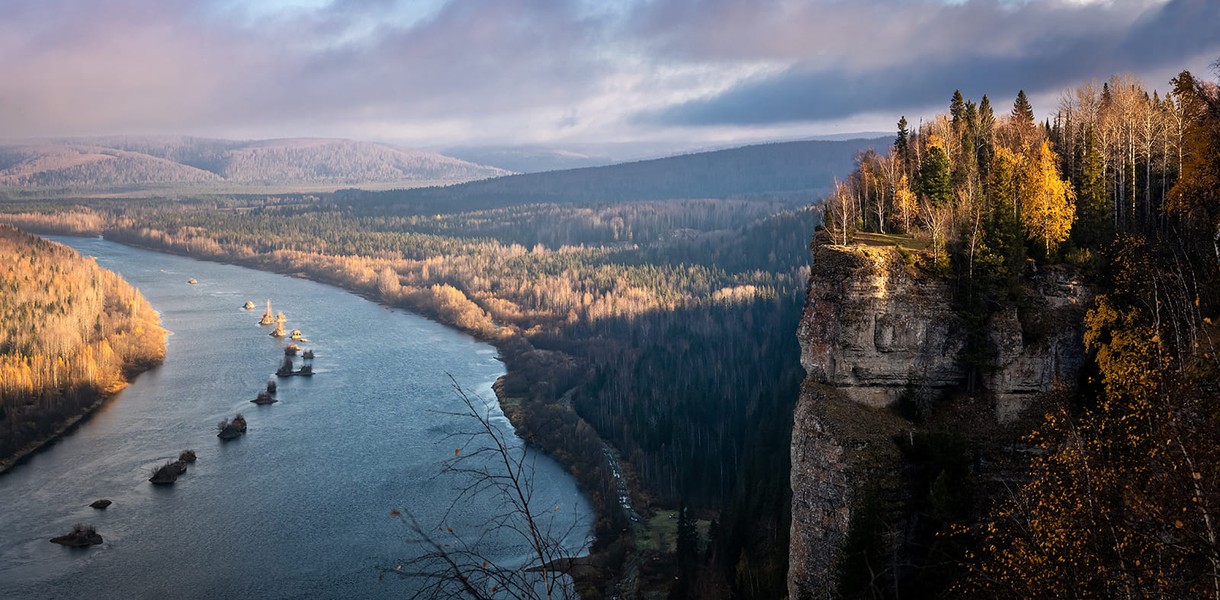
<point>65,427</point>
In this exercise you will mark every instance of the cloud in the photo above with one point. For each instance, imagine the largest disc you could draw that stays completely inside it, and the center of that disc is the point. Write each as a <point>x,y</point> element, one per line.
<point>519,71</point>
<point>979,47</point>
<point>84,66</point>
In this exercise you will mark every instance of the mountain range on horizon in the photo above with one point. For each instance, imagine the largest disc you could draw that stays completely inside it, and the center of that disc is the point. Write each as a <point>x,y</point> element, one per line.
<point>152,161</point>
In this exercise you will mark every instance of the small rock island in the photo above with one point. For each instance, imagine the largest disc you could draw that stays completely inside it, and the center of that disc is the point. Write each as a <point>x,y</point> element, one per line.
<point>168,472</point>
<point>81,536</point>
<point>268,317</point>
<point>264,398</point>
<point>231,429</point>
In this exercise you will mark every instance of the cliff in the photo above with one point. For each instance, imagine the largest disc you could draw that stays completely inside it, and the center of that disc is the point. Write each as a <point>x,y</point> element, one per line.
<point>877,337</point>
<point>875,327</point>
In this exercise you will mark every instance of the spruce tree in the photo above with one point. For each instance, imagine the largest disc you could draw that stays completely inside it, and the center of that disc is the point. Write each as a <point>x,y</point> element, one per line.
<point>984,138</point>
<point>934,181</point>
<point>1022,111</point>
<point>957,110</point>
<point>902,145</point>
<point>1095,227</point>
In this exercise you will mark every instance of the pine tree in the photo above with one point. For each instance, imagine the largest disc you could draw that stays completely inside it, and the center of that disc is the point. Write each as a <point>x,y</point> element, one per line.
<point>1095,226</point>
<point>1004,224</point>
<point>984,138</point>
<point>686,552</point>
<point>1024,129</point>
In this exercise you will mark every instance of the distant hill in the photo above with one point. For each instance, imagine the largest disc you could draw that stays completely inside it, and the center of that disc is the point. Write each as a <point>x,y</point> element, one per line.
<point>168,161</point>
<point>537,158</point>
<point>797,170</point>
<point>532,159</point>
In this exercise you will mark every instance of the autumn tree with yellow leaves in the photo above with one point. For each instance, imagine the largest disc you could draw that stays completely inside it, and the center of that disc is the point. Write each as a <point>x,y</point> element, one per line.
<point>1123,496</point>
<point>1048,202</point>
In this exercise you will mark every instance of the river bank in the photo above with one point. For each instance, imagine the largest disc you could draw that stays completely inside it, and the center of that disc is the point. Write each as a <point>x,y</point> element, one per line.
<point>65,427</point>
<point>13,461</point>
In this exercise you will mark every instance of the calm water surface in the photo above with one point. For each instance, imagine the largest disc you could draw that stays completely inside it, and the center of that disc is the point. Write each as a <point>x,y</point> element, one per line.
<point>298,508</point>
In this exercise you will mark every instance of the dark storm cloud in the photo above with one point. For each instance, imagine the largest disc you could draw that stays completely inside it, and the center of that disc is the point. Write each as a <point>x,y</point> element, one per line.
<point>1059,46</point>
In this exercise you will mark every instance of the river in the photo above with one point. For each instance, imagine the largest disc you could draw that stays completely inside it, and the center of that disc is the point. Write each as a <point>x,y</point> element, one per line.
<point>300,506</point>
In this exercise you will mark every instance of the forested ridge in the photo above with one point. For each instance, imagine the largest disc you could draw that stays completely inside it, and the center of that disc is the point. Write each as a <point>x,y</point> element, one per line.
<point>130,162</point>
<point>70,333</point>
<point>792,171</point>
<point>1118,492</point>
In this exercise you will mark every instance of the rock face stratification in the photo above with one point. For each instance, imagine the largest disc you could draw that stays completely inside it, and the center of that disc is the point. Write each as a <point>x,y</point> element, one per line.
<point>872,327</point>
<point>875,329</point>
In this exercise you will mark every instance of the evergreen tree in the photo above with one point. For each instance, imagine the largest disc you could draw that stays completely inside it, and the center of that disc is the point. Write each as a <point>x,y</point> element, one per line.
<point>902,142</point>
<point>957,111</point>
<point>902,145</point>
<point>1004,224</point>
<point>687,554</point>
<point>1022,111</point>
<point>1095,227</point>
<point>984,139</point>
<point>965,167</point>
<point>934,182</point>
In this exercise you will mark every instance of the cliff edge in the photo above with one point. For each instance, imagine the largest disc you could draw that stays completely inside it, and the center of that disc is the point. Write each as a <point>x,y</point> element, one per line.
<point>879,336</point>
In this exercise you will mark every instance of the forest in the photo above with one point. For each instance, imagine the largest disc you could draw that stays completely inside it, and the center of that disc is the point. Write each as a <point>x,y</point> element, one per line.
<point>72,334</point>
<point>663,327</point>
<point>1118,492</point>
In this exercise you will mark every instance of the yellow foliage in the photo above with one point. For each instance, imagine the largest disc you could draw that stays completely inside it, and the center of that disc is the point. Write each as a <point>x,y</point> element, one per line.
<point>1048,202</point>
<point>70,329</point>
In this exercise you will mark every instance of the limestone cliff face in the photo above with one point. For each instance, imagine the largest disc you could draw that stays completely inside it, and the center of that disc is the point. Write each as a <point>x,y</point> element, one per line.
<point>873,329</point>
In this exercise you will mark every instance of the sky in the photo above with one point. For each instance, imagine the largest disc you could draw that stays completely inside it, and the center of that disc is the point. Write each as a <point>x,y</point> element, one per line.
<point>431,73</point>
